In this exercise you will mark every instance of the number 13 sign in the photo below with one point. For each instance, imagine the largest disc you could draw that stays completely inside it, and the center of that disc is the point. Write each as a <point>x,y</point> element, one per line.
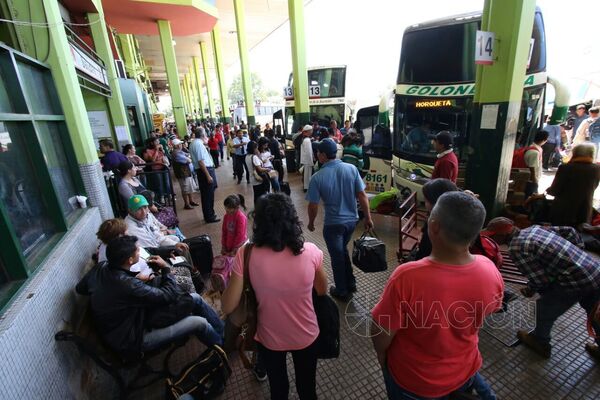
<point>484,48</point>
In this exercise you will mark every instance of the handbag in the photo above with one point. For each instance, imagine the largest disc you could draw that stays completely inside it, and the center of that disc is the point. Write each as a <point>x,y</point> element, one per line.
<point>240,325</point>
<point>167,217</point>
<point>368,253</point>
<point>273,174</point>
<point>257,176</point>
<point>204,378</point>
<point>328,318</point>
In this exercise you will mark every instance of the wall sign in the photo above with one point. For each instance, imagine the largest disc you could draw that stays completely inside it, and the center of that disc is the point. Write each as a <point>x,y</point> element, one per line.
<point>88,65</point>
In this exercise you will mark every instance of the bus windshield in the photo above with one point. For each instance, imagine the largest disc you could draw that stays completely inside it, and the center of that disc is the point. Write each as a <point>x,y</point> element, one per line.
<point>442,54</point>
<point>446,54</point>
<point>331,82</point>
<point>417,120</point>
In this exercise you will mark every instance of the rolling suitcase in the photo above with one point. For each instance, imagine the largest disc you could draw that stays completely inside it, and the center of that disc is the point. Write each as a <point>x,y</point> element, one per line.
<point>285,188</point>
<point>201,252</point>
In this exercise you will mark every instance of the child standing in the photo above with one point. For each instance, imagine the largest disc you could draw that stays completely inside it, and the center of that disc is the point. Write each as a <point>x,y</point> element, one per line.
<point>233,236</point>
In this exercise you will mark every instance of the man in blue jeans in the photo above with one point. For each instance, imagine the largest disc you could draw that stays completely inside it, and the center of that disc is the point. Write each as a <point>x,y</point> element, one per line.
<point>340,186</point>
<point>122,300</point>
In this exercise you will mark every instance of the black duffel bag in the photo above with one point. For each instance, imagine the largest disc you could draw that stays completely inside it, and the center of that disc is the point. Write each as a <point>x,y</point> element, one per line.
<point>369,253</point>
<point>201,252</point>
<point>328,318</point>
<point>204,378</point>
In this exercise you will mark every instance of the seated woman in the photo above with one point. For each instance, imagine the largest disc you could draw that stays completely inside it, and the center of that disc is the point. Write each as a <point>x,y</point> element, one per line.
<point>573,188</point>
<point>130,184</point>
<point>283,270</point>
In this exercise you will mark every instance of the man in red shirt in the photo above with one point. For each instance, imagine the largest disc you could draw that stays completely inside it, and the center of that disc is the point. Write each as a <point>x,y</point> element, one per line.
<point>446,166</point>
<point>428,318</point>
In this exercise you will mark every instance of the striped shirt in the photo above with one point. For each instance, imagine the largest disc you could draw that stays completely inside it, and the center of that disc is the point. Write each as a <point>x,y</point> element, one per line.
<point>555,255</point>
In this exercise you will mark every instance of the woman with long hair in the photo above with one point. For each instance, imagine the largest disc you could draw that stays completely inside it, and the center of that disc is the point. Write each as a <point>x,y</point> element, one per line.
<point>283,270</point>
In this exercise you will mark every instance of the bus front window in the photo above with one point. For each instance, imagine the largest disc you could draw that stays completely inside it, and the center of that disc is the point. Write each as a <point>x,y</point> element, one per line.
<point>418,120</point>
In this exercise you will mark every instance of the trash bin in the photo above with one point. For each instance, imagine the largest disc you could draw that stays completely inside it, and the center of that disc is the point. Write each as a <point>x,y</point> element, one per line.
<point>290,160</point>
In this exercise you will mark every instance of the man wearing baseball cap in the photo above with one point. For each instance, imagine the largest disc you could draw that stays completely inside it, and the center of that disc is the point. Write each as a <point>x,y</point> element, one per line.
<point>307,158</point>
<point>149,231</point>
<point>557,267</point>
<point>339,185</point>
<point>446,165</point>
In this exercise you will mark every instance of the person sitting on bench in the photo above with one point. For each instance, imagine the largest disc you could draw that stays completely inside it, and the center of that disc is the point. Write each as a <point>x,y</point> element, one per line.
<point>145,226</point>
<point>557,267</point>
<point>122,305</point>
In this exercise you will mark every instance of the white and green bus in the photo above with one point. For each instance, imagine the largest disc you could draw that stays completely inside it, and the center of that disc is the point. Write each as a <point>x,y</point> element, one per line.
<point>435,88</point>
<point>327,98</point>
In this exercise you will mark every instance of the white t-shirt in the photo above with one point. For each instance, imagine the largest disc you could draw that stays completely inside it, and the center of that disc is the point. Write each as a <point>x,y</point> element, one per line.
<point>533,159</point>
<point>253,160</point>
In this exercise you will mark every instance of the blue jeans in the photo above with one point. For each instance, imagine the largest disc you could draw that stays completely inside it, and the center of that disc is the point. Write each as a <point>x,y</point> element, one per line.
<point>205,324</point>
<point>476,382</point>
<point>554,302</point>
<point>337,238</point>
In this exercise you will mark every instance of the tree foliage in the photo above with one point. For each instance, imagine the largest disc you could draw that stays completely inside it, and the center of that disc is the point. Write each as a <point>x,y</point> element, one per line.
<point>236,90</point>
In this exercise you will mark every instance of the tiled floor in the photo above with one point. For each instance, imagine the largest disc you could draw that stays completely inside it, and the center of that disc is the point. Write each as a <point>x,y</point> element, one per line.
<point>514,372</point>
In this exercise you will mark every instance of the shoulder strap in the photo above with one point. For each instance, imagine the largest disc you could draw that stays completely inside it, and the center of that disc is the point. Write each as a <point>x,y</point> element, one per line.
<point>247,253</point>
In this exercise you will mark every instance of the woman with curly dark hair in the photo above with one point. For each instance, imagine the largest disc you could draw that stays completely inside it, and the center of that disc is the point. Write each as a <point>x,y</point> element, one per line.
<point>283,270</point>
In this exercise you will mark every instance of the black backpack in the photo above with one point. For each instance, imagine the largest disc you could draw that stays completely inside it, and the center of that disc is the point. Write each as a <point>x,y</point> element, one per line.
<point>204,378</point>
<point>328,318</point>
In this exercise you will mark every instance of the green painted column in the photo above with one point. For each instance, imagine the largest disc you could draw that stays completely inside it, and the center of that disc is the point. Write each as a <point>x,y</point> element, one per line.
<point>240,24</point>
<point>62,66</point>
<point>211,101</point>
<point>102,45</point>
<point>189,94</point>
<point>194,92</point>
<point>186,107</point>
<point>166,42</point>
<point>215,36</point>
<point>296,13</point>
<point>129,58</point>
<point>498,93</point>
<point>198,85</point>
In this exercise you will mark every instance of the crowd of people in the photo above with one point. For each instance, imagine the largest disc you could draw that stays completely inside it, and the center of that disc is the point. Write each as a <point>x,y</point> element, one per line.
<point>426,323</point>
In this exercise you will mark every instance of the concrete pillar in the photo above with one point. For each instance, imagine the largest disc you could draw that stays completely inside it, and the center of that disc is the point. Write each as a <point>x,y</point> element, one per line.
<point>198,83</point>
<point>166,42</point>
<point>296,14</point>
<point>211,101</point>
<point>499,87</point>
<point>102,45</point>
<point>69,93</point>
<point>240,24</point>
<point>215,36</point>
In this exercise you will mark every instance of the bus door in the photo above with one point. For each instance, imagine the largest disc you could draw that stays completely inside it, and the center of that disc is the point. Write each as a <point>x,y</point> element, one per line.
<point>279,126</point>
<point>377,150</point>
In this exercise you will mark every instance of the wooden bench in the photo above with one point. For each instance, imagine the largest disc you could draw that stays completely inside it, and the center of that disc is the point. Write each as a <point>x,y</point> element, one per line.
<point>83,335</point>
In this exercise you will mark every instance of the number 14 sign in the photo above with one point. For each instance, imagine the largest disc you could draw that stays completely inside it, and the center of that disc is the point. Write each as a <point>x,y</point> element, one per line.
<point>484,48</point>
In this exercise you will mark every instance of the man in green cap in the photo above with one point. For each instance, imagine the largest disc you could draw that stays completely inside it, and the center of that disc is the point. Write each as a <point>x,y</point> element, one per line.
<point>149,231</point>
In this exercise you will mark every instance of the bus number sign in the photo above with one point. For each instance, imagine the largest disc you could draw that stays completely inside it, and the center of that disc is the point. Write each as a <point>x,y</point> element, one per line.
<point>484,48</point>
<point>288,91</point>
<point>377,182</point>
<point>314,91</point>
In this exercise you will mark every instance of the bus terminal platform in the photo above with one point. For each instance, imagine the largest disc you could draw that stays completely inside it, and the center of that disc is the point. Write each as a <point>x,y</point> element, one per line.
<point>513,371</point>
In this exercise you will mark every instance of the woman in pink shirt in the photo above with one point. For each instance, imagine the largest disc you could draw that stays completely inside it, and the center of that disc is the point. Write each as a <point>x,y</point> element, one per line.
<point>283,271</point>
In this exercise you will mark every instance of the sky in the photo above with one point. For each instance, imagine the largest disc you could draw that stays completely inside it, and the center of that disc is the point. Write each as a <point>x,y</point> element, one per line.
<point>366,36</point>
